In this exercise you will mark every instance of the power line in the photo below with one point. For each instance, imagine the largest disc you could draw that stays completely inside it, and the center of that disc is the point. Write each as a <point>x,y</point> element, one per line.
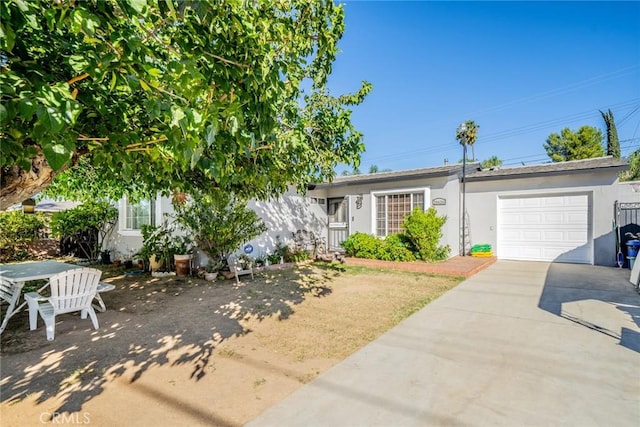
<point>507,133</point>
<point>561,90</point>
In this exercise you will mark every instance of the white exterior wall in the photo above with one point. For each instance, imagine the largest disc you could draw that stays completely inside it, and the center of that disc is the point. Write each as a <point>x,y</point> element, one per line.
<point>628,192</point>
<point>444,187</point>
<point>482,205</point>
<point>282,217</point>
<point>285,215</point>
<point>124,243</point>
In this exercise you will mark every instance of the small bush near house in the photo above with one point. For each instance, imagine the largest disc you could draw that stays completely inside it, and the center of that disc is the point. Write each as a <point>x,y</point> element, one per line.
<point>362,245</point>
<point>394,248</point>
<point>17,231</point>
<point>286,253</point>
<point>82,222</point>
<point>219,223</point>
<point>423,231</point>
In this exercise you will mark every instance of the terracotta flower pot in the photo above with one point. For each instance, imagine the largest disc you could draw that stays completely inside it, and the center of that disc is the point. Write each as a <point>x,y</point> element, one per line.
<point>183,265</point>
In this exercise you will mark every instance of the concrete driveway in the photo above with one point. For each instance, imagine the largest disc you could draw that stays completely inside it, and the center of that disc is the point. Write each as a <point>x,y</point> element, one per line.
<point>518,344</point>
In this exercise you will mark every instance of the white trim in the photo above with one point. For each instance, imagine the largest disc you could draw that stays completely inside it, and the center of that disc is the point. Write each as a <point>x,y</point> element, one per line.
<point>374,204</point>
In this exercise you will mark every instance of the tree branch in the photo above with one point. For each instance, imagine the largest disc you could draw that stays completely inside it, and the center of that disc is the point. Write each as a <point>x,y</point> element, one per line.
<point>78,78</point>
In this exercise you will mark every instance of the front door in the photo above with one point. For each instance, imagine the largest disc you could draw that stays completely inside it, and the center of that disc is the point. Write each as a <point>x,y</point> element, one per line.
<point>338,212</point>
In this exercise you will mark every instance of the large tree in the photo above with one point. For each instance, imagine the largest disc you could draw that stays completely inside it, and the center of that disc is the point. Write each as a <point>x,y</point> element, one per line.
<point>585,143</point>
<point>172,94</point>
<point>613,144</point>
<point>633,173</point>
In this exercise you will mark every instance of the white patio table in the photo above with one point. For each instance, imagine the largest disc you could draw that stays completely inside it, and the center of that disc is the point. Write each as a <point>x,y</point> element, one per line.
<point>20,273</point>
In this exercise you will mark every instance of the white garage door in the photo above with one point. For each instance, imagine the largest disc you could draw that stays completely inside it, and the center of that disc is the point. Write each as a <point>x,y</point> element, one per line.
<point>549,228</point>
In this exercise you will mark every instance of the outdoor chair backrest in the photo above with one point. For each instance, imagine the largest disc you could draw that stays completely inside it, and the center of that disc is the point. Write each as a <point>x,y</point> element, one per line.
<point>6,290</point>
<point>73,290</point>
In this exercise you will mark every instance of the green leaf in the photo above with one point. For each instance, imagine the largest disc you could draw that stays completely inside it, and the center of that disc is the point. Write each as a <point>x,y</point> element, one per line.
<point>138,5</point>
<point>27,108</point>
<point>177,114</point>
<point>211,134</point>
<point>233,125</point>
<point>7,36</point>
<point>3,114</point>
<point>114,80</point>
<point>144,85</point>
<point>78,62</point>
<point>57,155</point>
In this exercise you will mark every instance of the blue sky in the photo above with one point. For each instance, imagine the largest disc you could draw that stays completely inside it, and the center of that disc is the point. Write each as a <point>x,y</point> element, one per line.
<point>521,70</point>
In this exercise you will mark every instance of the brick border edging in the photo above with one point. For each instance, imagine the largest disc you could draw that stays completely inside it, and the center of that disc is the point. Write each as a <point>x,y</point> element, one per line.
<point>439,268</point>
<point>479,268</point>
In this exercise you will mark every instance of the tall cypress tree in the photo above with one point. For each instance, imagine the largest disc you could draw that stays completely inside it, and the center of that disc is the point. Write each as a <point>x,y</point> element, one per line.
<point>613,144</point>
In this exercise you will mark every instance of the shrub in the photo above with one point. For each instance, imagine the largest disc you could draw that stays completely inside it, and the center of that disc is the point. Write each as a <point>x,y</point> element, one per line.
<point>423,231</point>
<point>219,223</point>
<point>394,248</point>
<point>83,221</point>
<point>362,245</point>
<point>17,230</point>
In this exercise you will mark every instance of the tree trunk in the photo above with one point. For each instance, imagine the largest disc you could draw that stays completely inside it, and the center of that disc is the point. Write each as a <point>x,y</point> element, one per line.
<point>17,185</point>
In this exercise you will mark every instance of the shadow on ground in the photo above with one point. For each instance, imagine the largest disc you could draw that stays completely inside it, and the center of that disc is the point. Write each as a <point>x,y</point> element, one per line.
<point>599,298</point>
<point>149,322</point>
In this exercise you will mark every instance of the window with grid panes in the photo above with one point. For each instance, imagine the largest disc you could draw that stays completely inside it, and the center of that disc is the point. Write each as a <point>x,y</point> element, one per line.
<point>392,208</point>
<point>139,214</point>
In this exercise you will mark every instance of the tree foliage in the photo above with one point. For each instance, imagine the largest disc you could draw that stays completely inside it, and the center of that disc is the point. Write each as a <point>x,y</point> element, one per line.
<point>585,143</point>
<point>83,221</point>
<point>17,231</point>
<point>173,95</point>
<point>493,161</point>
<point>633,173</point>
<point>613,144</point>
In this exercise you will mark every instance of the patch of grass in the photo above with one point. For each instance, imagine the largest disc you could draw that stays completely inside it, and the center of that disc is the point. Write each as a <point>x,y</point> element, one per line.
<point>260,381</point>
<point>363,304</point>
<point>229,353</point>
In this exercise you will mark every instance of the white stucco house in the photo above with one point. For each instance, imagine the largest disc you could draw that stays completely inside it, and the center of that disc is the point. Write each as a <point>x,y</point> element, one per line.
<point>550,212</point>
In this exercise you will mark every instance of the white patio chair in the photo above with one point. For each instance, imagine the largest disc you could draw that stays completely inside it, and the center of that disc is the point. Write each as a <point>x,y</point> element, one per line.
<point>71,291</point>
<point>9,293</point>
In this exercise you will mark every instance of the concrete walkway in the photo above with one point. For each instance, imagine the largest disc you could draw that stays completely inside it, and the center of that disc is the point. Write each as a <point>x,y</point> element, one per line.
<point>518,344</point>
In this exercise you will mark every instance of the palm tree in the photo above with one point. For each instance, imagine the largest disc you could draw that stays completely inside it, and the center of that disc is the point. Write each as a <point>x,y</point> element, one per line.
<point>466,134</point>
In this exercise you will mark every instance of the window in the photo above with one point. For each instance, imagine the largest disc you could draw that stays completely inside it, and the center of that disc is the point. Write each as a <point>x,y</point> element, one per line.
<point>317,201</point>
<point>139,214</point>
<point>392,208</point>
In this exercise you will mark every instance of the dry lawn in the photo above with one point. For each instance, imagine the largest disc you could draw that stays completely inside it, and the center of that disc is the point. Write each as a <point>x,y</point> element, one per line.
<point>189,352</point>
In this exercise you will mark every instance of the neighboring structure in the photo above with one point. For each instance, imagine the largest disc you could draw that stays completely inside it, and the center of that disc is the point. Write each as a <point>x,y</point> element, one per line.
<point>550,212</point>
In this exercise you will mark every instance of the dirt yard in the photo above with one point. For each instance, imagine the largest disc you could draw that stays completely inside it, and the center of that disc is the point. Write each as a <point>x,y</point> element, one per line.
<point>179,351</point>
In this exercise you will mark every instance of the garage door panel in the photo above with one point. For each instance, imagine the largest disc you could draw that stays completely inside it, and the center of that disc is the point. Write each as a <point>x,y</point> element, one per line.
<point>545,228</point>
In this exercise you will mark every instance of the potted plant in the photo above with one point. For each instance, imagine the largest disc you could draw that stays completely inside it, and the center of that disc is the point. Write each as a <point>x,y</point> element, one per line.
<point>157,247</point>
<point>211,271</point>
<point>182,253</point>
<point>105,256</point>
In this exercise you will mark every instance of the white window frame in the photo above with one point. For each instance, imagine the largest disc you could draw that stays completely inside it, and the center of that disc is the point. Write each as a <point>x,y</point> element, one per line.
<point>426,191</point>
<point>123,230</point>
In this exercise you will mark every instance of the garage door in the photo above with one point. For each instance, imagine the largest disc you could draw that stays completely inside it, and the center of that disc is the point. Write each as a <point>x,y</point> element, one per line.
<point>549,228</point>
